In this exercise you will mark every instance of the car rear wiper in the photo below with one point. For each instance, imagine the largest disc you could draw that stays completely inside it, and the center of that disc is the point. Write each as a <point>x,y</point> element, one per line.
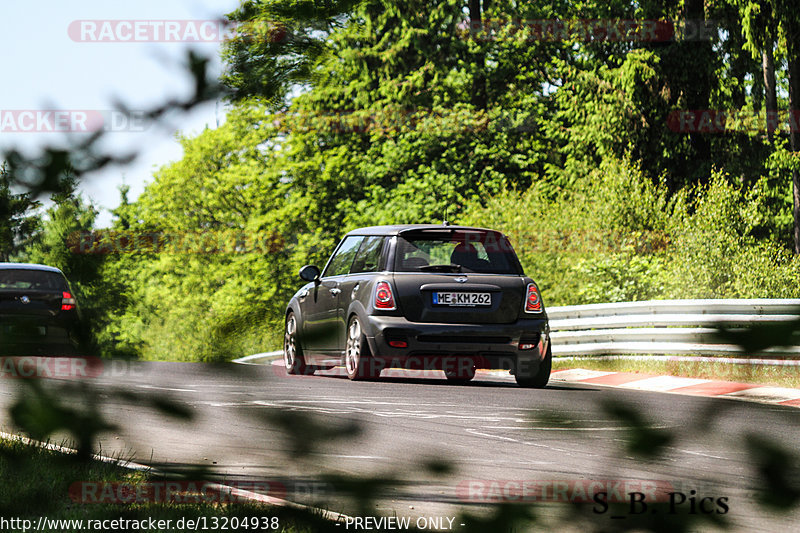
<point>442,268</point>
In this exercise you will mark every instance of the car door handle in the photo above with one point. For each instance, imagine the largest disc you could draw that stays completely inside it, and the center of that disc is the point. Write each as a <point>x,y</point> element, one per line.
<point>335,291</point>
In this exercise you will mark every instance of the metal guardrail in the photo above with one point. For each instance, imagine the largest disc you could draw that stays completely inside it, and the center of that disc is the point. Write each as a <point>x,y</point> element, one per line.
<point>665,327</point>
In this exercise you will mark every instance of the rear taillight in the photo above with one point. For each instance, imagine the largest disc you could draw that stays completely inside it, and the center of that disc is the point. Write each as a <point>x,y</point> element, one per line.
<point>384,299</point>
<point>533,302</point>
<point>67,301</point>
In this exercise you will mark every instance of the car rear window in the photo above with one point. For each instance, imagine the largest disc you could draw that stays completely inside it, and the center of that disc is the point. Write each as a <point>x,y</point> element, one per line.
<point>455,251</point>
<point>32,280</point>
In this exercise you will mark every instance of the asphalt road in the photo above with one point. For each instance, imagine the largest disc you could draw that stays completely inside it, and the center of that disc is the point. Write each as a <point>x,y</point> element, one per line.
<point>254,424</point>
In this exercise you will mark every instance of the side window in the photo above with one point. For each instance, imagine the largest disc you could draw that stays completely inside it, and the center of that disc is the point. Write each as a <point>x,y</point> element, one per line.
<point>369,255</point>
<point>343,258</point>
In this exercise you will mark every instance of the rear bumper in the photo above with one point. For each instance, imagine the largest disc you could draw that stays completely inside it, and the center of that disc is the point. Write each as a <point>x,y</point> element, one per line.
<point>437,345</point>
<point>38,336</point>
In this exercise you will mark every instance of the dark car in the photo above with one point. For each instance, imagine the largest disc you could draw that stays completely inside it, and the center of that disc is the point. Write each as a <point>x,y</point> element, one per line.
<point>418,296</point>
<point>38,312</point>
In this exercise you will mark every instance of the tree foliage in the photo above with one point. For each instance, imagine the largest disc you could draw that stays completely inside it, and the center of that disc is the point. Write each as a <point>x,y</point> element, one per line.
<point>351,113</point>
<point>17,222</point>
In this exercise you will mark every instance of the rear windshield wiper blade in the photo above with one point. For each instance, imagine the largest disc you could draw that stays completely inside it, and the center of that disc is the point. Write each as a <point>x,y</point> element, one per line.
<point>442,268</point>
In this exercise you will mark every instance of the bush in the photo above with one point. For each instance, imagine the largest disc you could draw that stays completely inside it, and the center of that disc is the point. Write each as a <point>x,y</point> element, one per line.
<point>617,237</point>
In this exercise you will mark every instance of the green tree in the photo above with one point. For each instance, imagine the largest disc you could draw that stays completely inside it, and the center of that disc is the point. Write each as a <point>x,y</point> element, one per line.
<point>55,245</point>
<point>17,223</point>
<point>230,237</point>
<point>358,113</point>
<point>767,21</point>
<point>279,45</point>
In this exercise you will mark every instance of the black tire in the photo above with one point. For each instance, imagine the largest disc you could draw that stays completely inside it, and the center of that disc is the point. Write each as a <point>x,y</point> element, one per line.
<point>358,361</point>
<point>292,351</point>
<point>540,379</point>
<point>461,375</point>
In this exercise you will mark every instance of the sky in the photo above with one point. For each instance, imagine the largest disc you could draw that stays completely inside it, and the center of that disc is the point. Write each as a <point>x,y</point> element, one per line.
<point>80,57</point>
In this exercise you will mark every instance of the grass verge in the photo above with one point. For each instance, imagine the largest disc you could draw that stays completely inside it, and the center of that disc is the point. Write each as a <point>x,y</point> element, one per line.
<point>40,484</point>
<point>779,376</point>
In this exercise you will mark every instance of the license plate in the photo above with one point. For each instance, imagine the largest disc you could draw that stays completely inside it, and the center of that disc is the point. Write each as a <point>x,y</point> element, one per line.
<point>462,299</point>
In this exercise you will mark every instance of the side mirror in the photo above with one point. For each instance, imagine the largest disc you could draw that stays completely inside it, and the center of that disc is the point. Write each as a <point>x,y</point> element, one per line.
<point>309,273</point>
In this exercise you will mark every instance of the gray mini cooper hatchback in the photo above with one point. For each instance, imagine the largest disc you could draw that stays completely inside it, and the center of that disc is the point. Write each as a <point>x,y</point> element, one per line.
<point>450,298</point>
